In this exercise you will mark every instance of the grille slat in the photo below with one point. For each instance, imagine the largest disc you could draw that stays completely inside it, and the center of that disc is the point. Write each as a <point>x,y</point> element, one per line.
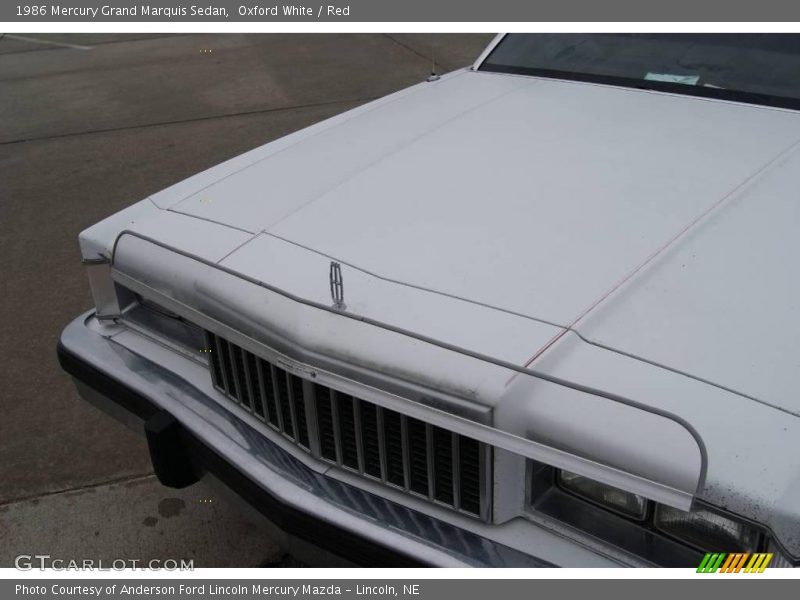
<point>469,460</point>
<point>247,380</point>
<point>216,368</point>
<point>347,429</point>
<point>394,448</point>
<point>385,445</point>
<point>284,406</point>
<point>237,368</point>
<point>418,456</point>
<point>268,385</point>
<point>369,439</point>
<point>276,375</point>
<point>443,479</point>
<point>327,437</point>
<point>299,410</point>
<point>225,362</point>
<point>254,380</point>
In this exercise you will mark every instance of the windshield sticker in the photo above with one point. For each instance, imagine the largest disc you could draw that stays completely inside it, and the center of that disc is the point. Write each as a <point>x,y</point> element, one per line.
<point>670,78</point>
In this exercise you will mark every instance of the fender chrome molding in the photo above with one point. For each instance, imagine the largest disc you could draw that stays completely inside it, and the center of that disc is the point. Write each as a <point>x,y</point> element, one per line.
<point>678,494</point>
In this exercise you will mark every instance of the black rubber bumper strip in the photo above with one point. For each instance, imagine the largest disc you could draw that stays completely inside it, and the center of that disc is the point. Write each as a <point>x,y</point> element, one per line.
<point>171,461</point>
<point>288,518</point>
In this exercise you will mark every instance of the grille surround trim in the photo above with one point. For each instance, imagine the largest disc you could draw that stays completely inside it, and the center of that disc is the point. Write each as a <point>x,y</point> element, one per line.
<point>225,377</point>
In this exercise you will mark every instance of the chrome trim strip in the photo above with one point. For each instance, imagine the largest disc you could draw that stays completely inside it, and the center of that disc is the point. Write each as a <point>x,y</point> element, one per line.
<point>430,461</point>
<point>667,494</point>
<point>455,452</point>
<point>406,453</point>
<point>292,410</point>
<point>478,430</point>
<point>262,386</point>
<point>277,395</point>
<point>232,348</point>
<point>487,483</point>
<point>337,426</point>
<point>226,387</point>
<point>359,437</point>
<point>248,381</point>
<point>310,402</point>
<point>381,442</point>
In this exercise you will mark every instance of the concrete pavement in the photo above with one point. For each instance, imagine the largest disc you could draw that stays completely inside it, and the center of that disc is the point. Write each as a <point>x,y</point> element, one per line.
<point>88,125</point>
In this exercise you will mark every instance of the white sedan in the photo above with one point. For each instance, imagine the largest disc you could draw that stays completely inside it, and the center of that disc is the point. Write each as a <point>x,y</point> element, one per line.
<point>539,311</point>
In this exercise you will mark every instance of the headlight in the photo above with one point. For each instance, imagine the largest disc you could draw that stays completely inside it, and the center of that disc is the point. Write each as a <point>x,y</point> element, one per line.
<point>656,533</point>
<point>708,530</point>
<point>620,501</point>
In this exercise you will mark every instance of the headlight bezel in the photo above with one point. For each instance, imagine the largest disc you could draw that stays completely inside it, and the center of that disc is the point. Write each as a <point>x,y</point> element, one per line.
<point>571,487</point>
<point>640,537</point>
<point>758,544</point>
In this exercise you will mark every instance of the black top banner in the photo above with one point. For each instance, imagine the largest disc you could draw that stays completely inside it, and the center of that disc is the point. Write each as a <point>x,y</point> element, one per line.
<point>400,11</point>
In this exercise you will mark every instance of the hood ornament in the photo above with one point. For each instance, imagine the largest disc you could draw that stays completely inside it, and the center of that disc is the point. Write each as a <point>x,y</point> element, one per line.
<point>337,286</point>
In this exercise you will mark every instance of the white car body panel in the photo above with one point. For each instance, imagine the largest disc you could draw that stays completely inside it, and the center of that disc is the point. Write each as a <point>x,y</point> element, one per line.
<point>634,243</point>
<point>654,160</point>
<point>723,304</point>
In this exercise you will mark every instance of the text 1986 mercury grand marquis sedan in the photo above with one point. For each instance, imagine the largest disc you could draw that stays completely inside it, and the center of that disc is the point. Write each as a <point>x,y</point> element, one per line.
<point>540,311</point>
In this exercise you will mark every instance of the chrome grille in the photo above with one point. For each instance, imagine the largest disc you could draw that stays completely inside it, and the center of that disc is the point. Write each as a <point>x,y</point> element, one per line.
<point>375,442</point>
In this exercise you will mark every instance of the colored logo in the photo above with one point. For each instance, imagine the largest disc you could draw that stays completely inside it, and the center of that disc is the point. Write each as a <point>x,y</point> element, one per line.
<point>720,562</point>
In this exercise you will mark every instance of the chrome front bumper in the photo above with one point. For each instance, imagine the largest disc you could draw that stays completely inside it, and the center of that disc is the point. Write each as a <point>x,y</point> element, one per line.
<point>133,377</point>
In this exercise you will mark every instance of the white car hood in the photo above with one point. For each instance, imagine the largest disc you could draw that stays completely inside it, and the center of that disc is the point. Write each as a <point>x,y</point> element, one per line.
<point>499,213</point>
<point>579,205</point>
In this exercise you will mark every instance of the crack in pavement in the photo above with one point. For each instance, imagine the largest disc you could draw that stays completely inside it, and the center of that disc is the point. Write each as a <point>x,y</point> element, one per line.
<point>191,120</point>
<point>58,46</point>
<point>431,59</point>
<point>79,488</point>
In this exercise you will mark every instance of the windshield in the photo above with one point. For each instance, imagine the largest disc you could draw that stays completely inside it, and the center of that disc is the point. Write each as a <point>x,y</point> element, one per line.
<point>756,68</point>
